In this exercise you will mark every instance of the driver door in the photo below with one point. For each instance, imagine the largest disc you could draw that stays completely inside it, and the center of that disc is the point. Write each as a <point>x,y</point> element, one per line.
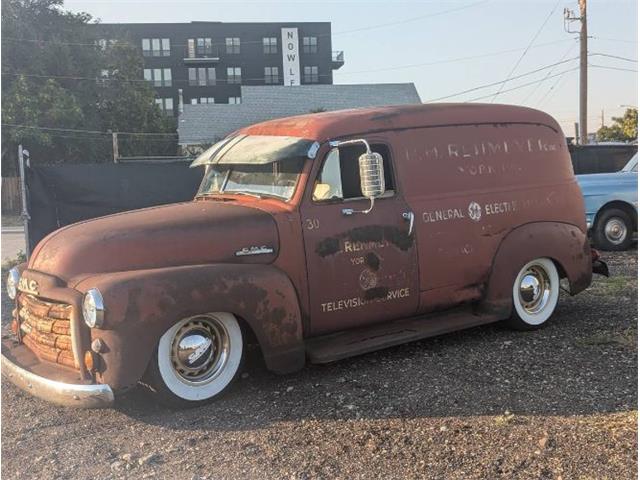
<point>362,268</point>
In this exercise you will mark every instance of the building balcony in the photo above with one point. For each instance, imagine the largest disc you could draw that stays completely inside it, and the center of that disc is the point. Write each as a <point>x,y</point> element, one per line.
<point>337,59</point>
<point>200,56</point>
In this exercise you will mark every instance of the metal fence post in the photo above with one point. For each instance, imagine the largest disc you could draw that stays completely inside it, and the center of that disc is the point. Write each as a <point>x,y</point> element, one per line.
<point>114,141</point>
<point>23,196</point>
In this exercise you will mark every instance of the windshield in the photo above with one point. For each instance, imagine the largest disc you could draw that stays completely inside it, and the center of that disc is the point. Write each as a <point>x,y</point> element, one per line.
<point>632,165</point>
<point>258,165</point>
<point>276,179</point>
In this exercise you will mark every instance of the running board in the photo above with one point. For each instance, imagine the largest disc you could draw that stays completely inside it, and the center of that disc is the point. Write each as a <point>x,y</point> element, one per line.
<point>336,346</point>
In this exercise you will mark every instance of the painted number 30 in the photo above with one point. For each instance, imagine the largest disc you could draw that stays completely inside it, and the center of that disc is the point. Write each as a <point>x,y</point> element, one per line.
<point>312,223</point>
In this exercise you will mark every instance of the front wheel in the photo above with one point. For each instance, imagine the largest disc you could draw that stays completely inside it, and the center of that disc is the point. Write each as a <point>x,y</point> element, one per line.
<point>535,294</point>
<point>196,360</point>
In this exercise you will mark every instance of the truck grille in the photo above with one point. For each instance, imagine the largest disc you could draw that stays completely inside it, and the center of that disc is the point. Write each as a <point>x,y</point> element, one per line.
<point>46,329</point>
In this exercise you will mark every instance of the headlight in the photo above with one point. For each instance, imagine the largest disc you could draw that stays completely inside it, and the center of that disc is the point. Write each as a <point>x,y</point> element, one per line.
<point>12,283</point>
<point>93,308</point>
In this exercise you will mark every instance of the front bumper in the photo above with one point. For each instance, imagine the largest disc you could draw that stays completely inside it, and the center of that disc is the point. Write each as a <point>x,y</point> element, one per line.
<point>22,370</point>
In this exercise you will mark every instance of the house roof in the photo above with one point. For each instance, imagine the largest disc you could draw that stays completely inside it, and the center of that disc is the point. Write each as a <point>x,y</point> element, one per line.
<point>207,123</point>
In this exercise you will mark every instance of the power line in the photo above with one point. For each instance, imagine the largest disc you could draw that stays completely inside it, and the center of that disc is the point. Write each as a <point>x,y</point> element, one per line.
<point>521,86</point>
<point>398,67</point>
<point>452,60</point>
<point>613,68</point>
<point>226,81</point>
<point>613,56</point>
<point>259,42</point>
<point>552,91</point>
<point>528,47</point>
<point>614,39</point>
<point>95,132</point>
<point>413,19</point>
<point>137,80</point>
<point>535,89</point>
<point>502,81</point>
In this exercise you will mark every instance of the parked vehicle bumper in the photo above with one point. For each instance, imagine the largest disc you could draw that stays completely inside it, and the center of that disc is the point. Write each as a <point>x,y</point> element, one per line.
<point>590,219</point>
<point>55,391</point>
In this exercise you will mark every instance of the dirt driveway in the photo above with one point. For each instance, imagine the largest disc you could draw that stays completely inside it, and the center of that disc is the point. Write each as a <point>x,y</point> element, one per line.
<point>484,403</point>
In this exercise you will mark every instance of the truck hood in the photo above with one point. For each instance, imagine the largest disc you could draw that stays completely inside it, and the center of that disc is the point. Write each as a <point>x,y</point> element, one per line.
<point>193,233</point>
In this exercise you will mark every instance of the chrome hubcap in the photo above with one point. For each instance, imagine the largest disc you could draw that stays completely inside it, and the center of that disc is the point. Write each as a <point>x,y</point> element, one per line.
<point>200,350</point>
<point>535,289</point>
<point>615,230</point>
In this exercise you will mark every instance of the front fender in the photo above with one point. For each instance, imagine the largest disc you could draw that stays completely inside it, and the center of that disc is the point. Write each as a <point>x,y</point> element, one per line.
<point>141,305</point>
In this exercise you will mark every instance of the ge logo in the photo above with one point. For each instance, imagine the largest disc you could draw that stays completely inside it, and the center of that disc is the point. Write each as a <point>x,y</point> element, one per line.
<point>475,212</point>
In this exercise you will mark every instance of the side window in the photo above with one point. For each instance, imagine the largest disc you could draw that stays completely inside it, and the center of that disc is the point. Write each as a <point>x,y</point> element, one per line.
<point>328,186</point>
<point>339,178</point>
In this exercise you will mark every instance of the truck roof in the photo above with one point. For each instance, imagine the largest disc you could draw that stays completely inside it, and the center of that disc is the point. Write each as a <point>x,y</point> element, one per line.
<point>341,123</point>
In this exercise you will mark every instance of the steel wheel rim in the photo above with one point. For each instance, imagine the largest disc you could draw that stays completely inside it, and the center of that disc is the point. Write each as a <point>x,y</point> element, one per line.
<point>534,289</point>
<point>615,230</point>
<point>200,350</point>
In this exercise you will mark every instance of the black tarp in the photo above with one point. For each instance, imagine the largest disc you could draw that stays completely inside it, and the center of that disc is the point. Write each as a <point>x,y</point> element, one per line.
<point>58,195</point>
<point>600,158</point>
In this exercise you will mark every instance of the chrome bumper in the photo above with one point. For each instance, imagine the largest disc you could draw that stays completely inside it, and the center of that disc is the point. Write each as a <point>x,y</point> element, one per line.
<point>65,394</point>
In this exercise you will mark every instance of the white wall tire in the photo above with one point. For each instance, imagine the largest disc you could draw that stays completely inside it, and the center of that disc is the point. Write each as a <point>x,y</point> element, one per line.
<point>197,359</point>
<point>535,294</point>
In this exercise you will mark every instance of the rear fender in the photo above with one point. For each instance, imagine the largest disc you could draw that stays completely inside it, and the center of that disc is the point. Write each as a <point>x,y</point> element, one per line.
<point>565,244</point>
<point>141,305</point>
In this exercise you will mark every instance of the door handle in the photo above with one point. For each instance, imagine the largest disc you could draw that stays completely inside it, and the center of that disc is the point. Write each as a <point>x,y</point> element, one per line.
<point>409,216</point>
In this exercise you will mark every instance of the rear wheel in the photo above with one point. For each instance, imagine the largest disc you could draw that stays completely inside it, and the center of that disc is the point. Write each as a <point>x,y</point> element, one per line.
<point>535,294</point>
<point>196,360</point>
<point>613,230</point>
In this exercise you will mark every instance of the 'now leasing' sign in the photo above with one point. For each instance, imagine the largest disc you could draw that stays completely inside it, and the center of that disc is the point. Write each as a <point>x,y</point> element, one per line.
<point>290,56</point>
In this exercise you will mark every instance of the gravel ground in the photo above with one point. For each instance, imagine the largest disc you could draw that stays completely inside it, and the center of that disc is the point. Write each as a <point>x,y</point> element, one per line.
<point>485,403</point>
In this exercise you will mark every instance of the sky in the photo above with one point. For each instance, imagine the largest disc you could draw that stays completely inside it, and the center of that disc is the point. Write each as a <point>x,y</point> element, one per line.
<point>448,47</point>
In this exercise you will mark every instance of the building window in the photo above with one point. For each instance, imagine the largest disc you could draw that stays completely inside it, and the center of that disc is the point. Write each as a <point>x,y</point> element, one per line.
<point>160,77</point>
<point>202,100</point>
<point>311,74</point>
<point>271,75</point>
<point>309,44</point>
<point>202,76</point>
<point>234,75</point>
<point>166,105</point>
<point>204,47</point>
<point>234,100</point>
<point>156,47</point>
<point>146,47</point>
<point>269,45</point>
<point>233,45</point>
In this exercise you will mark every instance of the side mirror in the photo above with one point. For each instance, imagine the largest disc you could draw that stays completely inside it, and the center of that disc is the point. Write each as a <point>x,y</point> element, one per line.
<point>371,174</point>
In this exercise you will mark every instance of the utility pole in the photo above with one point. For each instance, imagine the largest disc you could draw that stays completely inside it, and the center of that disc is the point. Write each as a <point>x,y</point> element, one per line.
<point>583,71</point>
<point>569,17</point>
<point>602,117</point>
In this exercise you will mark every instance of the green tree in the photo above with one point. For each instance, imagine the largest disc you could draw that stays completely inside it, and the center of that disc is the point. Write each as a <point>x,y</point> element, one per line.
<point>623,129</point>
<point>53,76</point>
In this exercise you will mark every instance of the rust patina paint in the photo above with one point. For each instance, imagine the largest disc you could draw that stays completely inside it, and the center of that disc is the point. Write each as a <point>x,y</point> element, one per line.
<point>490,186</point>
